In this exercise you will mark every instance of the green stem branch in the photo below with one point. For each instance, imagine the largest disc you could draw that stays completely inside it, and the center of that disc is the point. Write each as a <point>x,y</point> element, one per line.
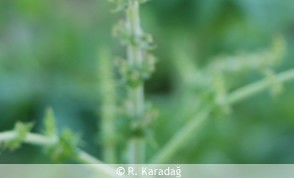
<point>136,144</point>
<point>185,134</point>
<point>31,138</point>
<point>40,140</point>
<point>179,139</point>
<point>256,87</point>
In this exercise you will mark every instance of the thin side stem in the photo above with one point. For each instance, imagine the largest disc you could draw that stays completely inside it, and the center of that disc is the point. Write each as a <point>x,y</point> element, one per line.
<point>136,144</point>
<point>86,158</point>
<point>256,87</point>
<point>180,139</point>
<point>31,138</point>
<point>185,134</point>
<point>40,140</point>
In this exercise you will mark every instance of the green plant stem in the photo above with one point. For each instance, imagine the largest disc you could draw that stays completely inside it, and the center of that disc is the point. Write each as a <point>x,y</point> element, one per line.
<point>136,144</point>
<point>40,140</point>
<point>185,133</point>
<point>31,138</point>
<point>180,138</point>
<point>256,87</point>
<point>108,108</point>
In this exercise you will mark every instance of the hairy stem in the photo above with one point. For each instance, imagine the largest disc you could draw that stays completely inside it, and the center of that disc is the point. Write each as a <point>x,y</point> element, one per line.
<point>185,133</point>
<point>136,144</point>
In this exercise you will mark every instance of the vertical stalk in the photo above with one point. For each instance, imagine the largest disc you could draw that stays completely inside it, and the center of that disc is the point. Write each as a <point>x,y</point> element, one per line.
<point>136,144</point>
<point>108,108</point>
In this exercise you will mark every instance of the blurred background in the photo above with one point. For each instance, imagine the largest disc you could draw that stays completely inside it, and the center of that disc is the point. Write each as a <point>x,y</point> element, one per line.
<point>48,57</point>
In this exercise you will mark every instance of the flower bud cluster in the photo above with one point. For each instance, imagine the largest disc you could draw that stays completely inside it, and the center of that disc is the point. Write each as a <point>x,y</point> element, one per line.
<point>134,75</point>
<point>136,70</point>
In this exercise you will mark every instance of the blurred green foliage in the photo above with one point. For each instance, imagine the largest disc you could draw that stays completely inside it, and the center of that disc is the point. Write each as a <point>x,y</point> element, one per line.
<point>48,57</point>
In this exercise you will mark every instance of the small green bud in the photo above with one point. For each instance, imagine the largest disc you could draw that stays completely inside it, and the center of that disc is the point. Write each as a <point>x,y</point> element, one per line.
<point>276,87</point>
<point>49,122</point>
<point>146,42</point>
<point>21,130</point>
<point>121,31</point>
<point>120,4</point>
<point>150,114</point>
<point>279,47</point>
<point>221,92</point>
<point>148,66</point>
<point>66,147</point>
